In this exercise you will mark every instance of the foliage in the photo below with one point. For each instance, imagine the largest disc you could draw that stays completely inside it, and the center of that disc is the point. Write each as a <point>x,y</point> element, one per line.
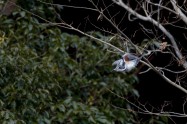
<point>47,76</point>
<point>50,76</point>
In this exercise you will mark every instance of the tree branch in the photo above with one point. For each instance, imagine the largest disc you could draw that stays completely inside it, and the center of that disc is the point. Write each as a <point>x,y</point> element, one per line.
<point>150,19</point>
<point>178,11</point>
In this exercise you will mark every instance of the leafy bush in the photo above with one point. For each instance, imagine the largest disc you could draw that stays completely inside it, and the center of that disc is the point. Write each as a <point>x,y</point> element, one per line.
<point>47,76</point>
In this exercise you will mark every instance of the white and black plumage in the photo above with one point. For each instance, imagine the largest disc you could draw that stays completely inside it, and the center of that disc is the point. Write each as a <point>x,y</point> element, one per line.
<point>127,63</point>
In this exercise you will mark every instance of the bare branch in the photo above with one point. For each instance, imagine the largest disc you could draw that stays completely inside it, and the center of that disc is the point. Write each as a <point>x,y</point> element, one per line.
<point>178,11</point>
<point>150,19</point>
<point>143,110</point>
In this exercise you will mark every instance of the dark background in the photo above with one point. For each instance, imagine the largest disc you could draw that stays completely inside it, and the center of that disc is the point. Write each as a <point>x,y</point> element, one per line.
<point>152,88</point>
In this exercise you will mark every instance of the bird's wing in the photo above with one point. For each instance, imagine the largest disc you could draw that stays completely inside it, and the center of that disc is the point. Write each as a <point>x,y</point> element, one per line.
<point>120,65</point>
<point>117,62</point>
<point>119,70</point>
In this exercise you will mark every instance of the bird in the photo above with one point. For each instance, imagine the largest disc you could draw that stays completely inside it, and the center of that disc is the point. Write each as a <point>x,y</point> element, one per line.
<point>127,63</point>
